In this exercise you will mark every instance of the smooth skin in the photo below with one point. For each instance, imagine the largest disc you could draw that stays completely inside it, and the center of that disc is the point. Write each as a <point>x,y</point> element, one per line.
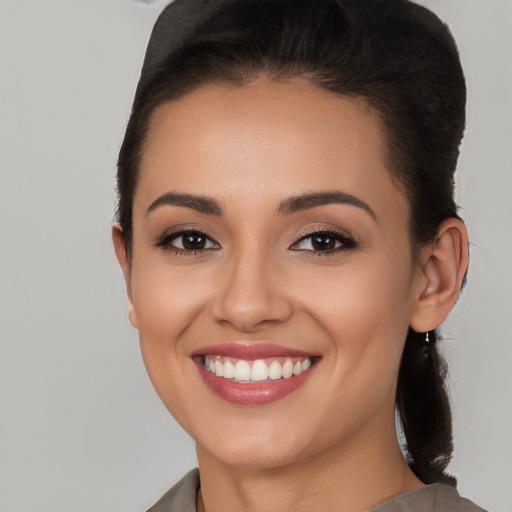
<point>259,277</point>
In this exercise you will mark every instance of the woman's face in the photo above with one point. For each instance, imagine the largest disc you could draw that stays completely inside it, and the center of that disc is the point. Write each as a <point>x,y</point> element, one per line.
<point>267,227</point>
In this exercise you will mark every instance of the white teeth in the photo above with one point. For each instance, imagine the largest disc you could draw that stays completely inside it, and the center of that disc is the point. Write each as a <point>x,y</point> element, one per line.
<point>242,370</point>
<point>259,371</point>
<point>287,369</point>
<point>218,369</point>
<point>229,370</point>
<point>274,370</point>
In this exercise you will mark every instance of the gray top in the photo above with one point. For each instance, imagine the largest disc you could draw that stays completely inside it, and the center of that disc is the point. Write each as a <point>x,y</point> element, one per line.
<point>430,498</point>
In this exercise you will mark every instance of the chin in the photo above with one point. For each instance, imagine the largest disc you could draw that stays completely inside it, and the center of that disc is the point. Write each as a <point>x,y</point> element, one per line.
<point>265,446</point>
<point>252,454</point>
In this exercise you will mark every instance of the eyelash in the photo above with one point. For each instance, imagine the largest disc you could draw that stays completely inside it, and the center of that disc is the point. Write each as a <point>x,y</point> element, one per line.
<point>346,242</point>
<point>165,242</point>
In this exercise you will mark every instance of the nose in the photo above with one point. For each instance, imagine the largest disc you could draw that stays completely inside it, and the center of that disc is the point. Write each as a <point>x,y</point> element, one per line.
<point>251,294</point>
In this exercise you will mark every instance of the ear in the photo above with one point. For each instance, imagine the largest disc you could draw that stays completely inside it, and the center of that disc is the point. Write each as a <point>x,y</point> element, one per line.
<point>126,267</point>
<point>444,263</point>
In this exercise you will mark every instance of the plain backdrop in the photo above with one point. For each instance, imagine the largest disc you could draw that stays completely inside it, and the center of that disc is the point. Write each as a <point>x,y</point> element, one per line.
<point>81,429</point>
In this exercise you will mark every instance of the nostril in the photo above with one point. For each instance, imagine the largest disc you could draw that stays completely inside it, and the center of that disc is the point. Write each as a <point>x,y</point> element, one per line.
<point>248,297</point>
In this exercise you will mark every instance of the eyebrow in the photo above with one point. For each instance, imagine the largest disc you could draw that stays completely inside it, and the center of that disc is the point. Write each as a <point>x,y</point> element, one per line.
<point>209,206</point>
<point>201,204</point>
<point>305,202</point>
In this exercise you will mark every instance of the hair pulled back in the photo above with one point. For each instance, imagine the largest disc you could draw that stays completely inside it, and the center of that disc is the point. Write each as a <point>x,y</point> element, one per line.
<point>395,55</point>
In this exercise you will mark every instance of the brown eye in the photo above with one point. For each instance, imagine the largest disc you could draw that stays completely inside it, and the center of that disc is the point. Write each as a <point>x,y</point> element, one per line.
<point>193,241</point>
<point>324,242</point>
<point>187,242</point>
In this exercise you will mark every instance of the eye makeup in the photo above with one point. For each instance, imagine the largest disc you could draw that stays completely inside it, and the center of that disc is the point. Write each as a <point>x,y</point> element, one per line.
<point>319,242</point>
<point>323,242</point>
<point>185,242</point>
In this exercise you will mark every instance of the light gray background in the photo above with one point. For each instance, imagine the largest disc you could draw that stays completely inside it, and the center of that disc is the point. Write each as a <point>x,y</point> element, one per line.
<point>81,429</point>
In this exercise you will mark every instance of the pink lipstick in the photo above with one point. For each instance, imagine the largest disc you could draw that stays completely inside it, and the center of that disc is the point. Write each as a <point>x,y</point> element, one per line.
<point>253,374</point>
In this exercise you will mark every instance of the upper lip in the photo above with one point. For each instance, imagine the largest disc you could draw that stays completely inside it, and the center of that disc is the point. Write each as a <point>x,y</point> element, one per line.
<point>251,351</point>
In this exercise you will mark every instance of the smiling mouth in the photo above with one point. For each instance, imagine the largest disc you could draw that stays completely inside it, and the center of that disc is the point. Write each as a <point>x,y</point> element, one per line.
<point>260,370</point>
<point>254,373</point>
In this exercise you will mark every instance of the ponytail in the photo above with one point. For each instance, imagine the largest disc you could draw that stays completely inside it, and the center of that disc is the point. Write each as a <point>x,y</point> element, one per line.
<point>424,409</point>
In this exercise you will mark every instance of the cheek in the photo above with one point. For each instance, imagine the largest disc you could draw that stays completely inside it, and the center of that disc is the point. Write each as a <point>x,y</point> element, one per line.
<point>373,293</point>
<point>165,298</point>
<point>364,309</point>
<point>166,304</point>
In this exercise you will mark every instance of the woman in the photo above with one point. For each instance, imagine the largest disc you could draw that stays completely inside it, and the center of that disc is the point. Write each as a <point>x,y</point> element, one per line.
<point>290,243</point>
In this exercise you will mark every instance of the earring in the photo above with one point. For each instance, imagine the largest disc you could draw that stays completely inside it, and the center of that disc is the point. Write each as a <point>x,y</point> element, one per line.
<point>427,340</point>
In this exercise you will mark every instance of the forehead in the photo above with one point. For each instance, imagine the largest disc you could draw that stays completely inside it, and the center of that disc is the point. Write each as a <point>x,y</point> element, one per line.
<point>266,140</point>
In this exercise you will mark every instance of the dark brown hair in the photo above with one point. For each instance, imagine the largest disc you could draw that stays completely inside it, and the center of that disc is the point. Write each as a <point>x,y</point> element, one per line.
<point>399,58</point>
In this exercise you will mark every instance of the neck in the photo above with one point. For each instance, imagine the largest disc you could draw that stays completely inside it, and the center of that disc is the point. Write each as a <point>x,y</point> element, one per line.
<point>354,477</point>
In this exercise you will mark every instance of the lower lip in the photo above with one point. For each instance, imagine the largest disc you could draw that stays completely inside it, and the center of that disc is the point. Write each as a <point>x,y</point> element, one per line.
<point>253,394</point>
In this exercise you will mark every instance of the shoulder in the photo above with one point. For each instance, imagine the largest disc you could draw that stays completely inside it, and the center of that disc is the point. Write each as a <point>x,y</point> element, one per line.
<point>430,498</point>
<point>181,497</point>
